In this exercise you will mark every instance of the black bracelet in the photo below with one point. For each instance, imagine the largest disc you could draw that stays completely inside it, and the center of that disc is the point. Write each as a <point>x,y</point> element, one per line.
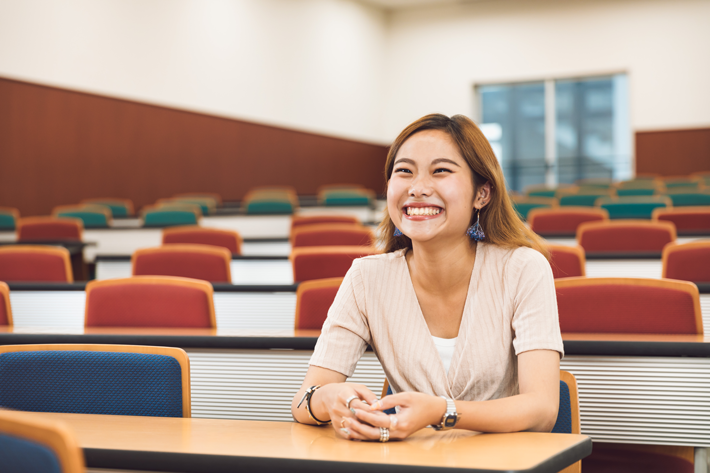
<point>307,397</point>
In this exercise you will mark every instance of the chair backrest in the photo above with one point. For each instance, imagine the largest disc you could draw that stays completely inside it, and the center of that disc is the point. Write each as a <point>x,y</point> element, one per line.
<point>205,262</point>
<point>320,262</point>
<point>328,234</point>
<point>523,205</point>
<point>5,308</point>
<point>93,216</point>
<point>35,263</point>
<point>169,216</point>
<point>690,199</point>
<point>8,218</point>
<point>685,219</point>
<point>625,236</point>
<point>268,205</point>
<point>628,305</point>
<point>96,379</point>
<point>174,205</point>
<point>687,261</point>
<point>206,205</point>
<point>563,220</point>
<point>212,195</point>
<point>313,300</point>
<point>581,200</point>
<point>635,192</point>
<point>567,261</point>
<point>632,207</point>
<point>49,229</point>
<point>118,207</point>
<point>300,220</point>
<point>568,420</point>
<point>150,301</point>
<point>228,239</point>
<point>29,444</point>
<point>346,197</point>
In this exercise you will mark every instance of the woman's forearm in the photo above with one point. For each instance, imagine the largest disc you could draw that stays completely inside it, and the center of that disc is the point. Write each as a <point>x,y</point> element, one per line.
<point>523,412</point>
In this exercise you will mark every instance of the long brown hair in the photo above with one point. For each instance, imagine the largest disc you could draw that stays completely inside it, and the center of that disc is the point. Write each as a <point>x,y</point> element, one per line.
<point>500,222</point>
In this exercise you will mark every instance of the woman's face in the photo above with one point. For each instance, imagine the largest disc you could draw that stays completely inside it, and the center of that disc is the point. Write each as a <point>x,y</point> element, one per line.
<point>430,193</point>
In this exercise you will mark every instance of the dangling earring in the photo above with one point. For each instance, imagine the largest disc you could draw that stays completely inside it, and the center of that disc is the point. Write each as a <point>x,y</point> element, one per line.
<point>397,233</point>
<point>475,231</point>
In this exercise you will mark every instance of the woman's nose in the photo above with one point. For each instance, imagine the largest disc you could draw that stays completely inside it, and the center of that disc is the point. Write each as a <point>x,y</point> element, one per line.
<point>421,186</point>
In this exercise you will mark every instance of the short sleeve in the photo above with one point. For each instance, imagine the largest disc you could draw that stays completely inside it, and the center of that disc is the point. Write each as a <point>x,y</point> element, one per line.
<point>346,332</point>
<point>536,324</point>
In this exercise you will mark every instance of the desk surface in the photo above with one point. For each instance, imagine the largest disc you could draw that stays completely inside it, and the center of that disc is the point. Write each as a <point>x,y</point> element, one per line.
<point>187,445</point>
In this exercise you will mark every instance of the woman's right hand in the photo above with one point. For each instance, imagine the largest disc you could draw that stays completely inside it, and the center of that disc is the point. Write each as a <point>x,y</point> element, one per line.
<point>333,399</point>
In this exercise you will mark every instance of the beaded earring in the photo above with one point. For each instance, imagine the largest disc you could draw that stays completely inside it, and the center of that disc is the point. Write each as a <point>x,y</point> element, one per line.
<point>475,231</point>
<point>397,233</point>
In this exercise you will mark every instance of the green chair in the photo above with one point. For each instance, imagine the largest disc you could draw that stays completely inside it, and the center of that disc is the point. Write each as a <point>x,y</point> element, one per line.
<point>207,205</point>
<point>346,199</point>
<point>635,192</point>
<point>632,207</point>
<point>542,193</point>
<point>118,207</point>
<point>269,207</point>
<point>167,217</point>
<point>8,218</point>
<point>688,184</point>
<point>93,216</point>
<point>682,199</point>
<point>580,200</point>
<point>523,208</point>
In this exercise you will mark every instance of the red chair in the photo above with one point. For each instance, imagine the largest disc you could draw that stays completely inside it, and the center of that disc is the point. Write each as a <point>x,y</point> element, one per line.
<point>228,239</point>
<point>5,309</point>
<point>204,262</point>
<point>320,262</point>
<point>313,300</point>
<point>563,221</point>
<point>148,301</point>
<point>567,261</point>
<point>35,264</point>
<point>332,235</point>
<point>300,220</point>
<point>49,229</point>
<point>628,305</point>
<point>688,261</point>
<point>625,236</point>
<point>687,220</point>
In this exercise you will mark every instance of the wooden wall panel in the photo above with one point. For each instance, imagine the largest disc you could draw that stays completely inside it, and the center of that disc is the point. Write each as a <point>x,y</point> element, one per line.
<point>59,146</point>
<point>673,152</point>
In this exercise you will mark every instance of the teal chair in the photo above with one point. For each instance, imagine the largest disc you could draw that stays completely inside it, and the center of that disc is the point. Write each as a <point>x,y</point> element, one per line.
<point>577,200</point>
<point>206,205</point>
<point>690,199</point>
<point>162,217</point>
<point>635,192</point>
<point>627,209</point>
<point>92,216</point>
<point>523,208</point>
<point>8,218</point>
<point>342,199</point>
<point>269,207</point>
<point>118,207</point>
<point>542,193</point>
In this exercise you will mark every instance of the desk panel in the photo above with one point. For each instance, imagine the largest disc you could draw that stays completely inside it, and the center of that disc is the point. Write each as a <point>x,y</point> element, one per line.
<point>624,268</point>
<point>572,241</point>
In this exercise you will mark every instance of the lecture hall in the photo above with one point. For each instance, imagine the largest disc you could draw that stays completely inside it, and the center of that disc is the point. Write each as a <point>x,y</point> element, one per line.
<point>426,236</point>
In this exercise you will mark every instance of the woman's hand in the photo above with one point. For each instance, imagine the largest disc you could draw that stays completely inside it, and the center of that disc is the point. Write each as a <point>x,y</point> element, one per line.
<point>334,398</point>
<point>416,411</point>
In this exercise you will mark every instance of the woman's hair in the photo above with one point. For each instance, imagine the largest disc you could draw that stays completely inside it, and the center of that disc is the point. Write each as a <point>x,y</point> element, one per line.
<point>500,222</point>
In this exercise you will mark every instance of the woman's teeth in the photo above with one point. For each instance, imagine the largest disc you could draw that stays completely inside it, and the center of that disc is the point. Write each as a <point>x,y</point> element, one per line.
<point>423,210</point>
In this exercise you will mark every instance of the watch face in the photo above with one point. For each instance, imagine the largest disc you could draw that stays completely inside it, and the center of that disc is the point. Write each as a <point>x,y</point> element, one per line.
<point>450,421</point>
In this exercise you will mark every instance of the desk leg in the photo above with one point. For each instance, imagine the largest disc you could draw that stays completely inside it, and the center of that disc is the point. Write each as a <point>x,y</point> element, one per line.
<point>78,267</point>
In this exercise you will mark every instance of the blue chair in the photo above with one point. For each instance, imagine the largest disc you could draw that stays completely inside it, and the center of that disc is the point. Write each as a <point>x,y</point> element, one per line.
<point>29,444</point>
<point>96,379</point>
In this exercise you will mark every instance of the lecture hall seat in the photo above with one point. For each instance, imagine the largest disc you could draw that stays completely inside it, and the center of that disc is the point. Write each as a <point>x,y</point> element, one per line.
<point>209,263</point>
<point>8,218</point>
<point>563,221</point>
<point>302,220</point>
<point>523,205</point>
<point>687,261</point>
<point>628,305</point>
<point>567,261</point>
<point>320,262</point>
<point>332,235</point>
<point>93,216</point>
<point>35,263</point>
<point>96,379</point>
<point>638,207</point>
<point>212,195</point>
<point>313,300</point>
<point>170,215</point>
<point>688,220</point>
<point>49,229</point>
<point>118,207</point>
<point>29,444</point>
<point>625,236</point>
<point>150,301</point>
<point>229,239</point>
<point>5,307</point>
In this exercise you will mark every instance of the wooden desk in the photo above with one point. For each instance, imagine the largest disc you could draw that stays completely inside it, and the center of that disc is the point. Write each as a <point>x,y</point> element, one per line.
<point>211,445</point>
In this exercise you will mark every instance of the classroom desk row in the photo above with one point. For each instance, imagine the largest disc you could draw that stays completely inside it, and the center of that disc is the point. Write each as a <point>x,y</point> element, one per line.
<point>217,445</point>
<point>642,389</point>
<point>268,307</point>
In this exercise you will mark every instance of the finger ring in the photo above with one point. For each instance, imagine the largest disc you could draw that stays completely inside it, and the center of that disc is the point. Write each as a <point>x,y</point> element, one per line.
<point>342,423</point>
<point>393,422</point>
<point>348,401</point>
<point>384,434</point>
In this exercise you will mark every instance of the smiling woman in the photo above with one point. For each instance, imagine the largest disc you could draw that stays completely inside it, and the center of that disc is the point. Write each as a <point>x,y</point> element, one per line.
<point>460,310</point>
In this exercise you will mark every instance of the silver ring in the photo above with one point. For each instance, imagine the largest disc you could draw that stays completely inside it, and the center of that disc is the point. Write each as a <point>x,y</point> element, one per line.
<point>384,434</point>
<point>349,400</point>
<point>393,422</point>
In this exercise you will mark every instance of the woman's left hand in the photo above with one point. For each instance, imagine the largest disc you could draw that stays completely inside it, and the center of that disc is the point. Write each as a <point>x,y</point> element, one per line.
<point>416,411</point>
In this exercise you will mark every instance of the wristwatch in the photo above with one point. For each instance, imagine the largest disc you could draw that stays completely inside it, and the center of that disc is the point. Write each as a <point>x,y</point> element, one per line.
<point>450,418</point>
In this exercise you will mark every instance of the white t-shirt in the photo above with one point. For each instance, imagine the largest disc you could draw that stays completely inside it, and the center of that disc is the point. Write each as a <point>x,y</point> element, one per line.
<point>445,346</point>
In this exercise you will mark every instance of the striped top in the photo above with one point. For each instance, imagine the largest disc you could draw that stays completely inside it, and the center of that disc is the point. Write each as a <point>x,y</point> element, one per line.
<point>510,308</point>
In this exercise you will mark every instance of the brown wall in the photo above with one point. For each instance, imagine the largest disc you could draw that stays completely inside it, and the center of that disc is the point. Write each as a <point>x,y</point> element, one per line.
<point>59,146</point>
<point>673,152</point>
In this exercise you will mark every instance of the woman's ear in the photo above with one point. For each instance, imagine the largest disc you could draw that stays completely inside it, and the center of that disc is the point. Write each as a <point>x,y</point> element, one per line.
<point>483,196</point>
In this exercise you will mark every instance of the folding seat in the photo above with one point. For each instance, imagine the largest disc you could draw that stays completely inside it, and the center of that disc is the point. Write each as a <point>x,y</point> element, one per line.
<point>625,236</point>
<point>270,200</point>
<point>5,308</point>
<point>8,218</point>
<point>96,379</point>
<point>346,197</point>
<point>685,198</point>
<point>332,235</point>
<point>150,301</point>
<point>205,262</point>
<point>30,263</point>
<point>563,221</point>
<point>688,220</point>
<point>49,229</point>
<point>313,300</point>
<point>118,207</point>
<point>320,262</point>
<point>567,261</point>
<point>523,205</point>
<point>228,239</point>
<point>628,305</point>
<point>181,214</point>
<point>29,444</point>
<point>687,261</point>
<point>92,216</point>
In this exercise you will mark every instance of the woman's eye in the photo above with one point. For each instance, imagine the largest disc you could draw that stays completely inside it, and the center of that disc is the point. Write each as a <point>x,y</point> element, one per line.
<point>440,170</point>
<point>403,170</point>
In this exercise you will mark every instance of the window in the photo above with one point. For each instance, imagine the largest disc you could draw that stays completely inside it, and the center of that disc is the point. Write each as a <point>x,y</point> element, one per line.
<point>558,131</point>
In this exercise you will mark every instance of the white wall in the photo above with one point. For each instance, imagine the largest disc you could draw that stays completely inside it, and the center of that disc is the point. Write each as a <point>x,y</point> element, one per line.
<point>314,65</point>
<point>437,54</point>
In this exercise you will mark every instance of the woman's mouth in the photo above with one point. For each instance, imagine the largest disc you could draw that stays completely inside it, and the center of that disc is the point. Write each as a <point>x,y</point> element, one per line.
<point>421,213</point>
